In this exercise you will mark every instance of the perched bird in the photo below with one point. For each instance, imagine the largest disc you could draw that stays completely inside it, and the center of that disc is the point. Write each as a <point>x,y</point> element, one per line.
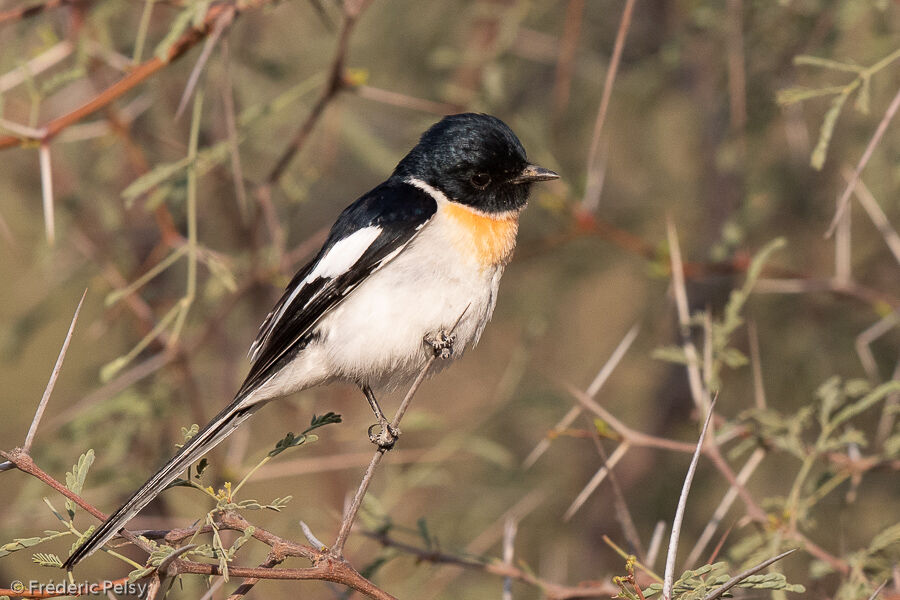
<point>410,268</point>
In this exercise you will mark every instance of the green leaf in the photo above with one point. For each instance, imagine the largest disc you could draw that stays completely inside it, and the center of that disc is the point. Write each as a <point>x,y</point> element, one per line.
<point>46,560</point>
<point>75,478</point>
<point>140,573</point>
<point>885,539</point>
<point>864,403</point>
<point>248,533</point>
<point>422,526</point>
<point>320,421</point>
<point>817,160</point>
<point>825,63</point>
<point>673,354</point>
<point>153,178</point>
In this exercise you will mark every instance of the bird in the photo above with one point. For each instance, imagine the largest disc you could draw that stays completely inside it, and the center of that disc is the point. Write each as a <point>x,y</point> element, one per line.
<point>409,271</point>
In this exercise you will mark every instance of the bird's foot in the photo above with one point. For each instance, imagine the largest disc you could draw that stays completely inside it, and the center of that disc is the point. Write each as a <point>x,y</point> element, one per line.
<point>388,436</point>
<point>441,343</point>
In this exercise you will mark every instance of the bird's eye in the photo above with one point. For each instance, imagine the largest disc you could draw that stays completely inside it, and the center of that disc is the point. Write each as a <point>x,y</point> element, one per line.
<point>480,180</point>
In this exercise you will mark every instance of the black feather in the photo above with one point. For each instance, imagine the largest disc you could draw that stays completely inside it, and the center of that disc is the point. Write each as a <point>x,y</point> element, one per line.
<point>400,209</point>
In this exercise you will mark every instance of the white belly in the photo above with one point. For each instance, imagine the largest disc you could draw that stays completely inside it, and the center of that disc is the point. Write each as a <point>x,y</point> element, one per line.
<point>376,336</point>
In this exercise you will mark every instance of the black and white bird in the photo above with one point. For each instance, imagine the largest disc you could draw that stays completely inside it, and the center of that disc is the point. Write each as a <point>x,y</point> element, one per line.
<point>409,269</point>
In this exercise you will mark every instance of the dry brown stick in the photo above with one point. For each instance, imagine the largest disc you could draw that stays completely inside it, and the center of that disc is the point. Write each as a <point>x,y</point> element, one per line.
<point>325,567</point>
<point>42,405</point>
<point>553,591</point>
<point>565,63</point>
<point>844,199</point>
<point>133,79</point>
<point>335,84</point>
<point>623,514</point>
<point>337,549</point>
<point>26,464</point>
<point>350,516</point>
<point>24,12</point>
<point>624,24</point>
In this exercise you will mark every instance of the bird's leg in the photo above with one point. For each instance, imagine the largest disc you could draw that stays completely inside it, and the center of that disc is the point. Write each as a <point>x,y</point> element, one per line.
<point>389,434</point>
<point>441,343</point>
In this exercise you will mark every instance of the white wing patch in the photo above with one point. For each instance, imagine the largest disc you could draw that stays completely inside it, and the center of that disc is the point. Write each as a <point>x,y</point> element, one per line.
<point>344,254</point>
<point>339,259</point>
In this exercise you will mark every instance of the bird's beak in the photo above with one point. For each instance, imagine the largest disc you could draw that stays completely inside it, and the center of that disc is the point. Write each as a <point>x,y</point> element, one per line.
<point>532,173</point>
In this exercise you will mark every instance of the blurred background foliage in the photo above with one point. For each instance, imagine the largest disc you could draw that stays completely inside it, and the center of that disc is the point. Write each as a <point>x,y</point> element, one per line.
<point>694,132</point>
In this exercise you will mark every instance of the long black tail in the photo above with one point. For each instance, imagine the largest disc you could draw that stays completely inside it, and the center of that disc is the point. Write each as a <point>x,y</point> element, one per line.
<point>214,432</point>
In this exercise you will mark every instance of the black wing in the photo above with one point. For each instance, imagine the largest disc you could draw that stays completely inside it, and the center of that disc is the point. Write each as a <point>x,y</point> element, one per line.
<point>399,210</point>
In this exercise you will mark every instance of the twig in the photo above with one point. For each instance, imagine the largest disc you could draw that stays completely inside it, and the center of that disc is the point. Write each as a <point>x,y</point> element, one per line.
<point>878,589</point>
<point>698,392</point>
<point>337,549</point>
<point>592,391</point>
<point>669,577</point>
<point>724,506</point>
<point>623,515</point>
<point>624,24</point>
<point>352,11</point>
<point>718,592</point>
<point>403,100</point>
<point>29,438</point>
<point>24,463</point>
<point>844,199</point>
<point>237,171</point>
<point>876,214</point>
<point>132,79</point>
<point>565,63</point>
<point>509,538</point>
<point>655,543</point>
<point>759,388</point>
<point>223,21</point>
<point>35,66</point>
<point>24,12</point>
<point>552,591</point>
<point>47,193</point>
<point>596,480</point>
<point>350,515</point>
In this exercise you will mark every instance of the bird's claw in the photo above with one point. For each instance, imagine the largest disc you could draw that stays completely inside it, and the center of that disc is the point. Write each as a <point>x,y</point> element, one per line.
<point>441,343</point>
<point>388,436</point>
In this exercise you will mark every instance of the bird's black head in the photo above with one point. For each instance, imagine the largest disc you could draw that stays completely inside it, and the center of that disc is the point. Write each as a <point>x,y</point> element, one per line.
<point>474,159</point>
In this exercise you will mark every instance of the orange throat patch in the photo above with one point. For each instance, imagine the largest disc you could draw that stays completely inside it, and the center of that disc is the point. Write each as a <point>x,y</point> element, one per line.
<point>488,239</point>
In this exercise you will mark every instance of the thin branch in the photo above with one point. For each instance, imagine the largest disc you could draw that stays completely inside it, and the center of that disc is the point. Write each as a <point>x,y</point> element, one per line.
<point>350,515</point>
<point>623,515</point>
<point>509,538</point>
<point>35,66</point>
<point>24,463</point>
<point>337,549</point>
<point>721,510</point>
<point>335,84</point>
<point>655,543</point>
<point>878,589</point>
<point>137,76</point>
<point>47,193</point>
<point>39,413</point>
<point>223,21</point>
<point>876,214</point>
<point>669,577</point>
<point>624,24</point>
<point>592,391</point>
<point>24,12</point>
<point>552,591</point>
<point>844,199</point>
<point>698,392</point>
<point>596,480</point>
